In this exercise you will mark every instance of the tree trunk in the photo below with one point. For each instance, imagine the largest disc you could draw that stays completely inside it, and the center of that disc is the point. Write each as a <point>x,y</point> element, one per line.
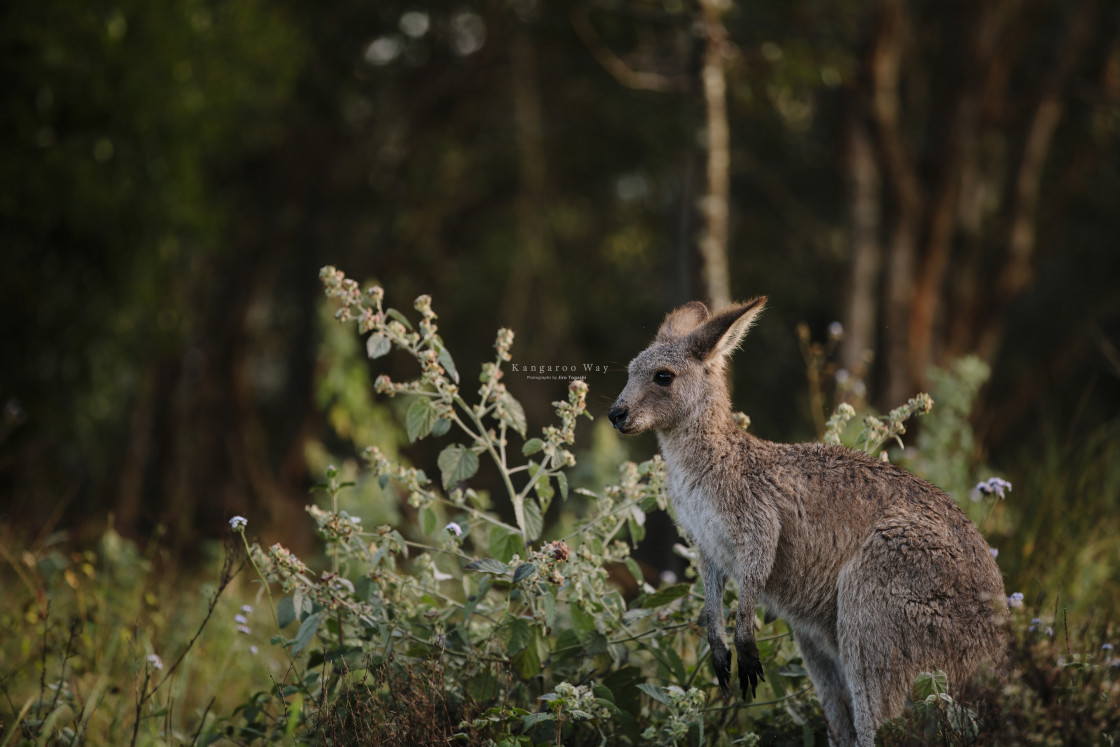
<point>714,206</point>
<point>864,194</point>
<point>1018,267</point>
<point>531,279</point>
<point>885,73</point>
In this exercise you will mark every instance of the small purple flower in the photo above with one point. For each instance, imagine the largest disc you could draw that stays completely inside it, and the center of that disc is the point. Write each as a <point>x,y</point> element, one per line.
<point>994,551</point>
<point>1015,600</point>
<point>237,523</point>
<point>246,608</point>
<point>244,629</point>
<point>241,619</point>
<point>995,485</point>
<point>454,529</point>
<point>253,650</point>
<point>1106,647</point>
<point>1036,626</point>
<point>155,662</point>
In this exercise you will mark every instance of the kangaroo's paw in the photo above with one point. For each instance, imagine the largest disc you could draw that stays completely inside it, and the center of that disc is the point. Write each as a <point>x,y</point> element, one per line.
<point>750,673</point>
<point>721,660</point>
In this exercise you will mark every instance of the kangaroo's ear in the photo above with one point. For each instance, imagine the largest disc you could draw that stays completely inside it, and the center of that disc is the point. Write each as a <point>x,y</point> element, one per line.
<point>680,322</point>
<point>722,333</point>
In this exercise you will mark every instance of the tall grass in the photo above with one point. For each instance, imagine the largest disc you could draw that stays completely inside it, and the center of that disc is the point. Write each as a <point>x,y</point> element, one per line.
<point>110,645</point>
<point>1060,536</point>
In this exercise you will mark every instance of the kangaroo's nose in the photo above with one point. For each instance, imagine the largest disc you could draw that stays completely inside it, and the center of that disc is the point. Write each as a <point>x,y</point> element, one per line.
<point>617,415</point>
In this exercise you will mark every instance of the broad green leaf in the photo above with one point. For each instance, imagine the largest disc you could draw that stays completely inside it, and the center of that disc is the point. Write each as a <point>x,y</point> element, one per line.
<point>528,663</point>
<point>394,314</point>
<point>594,643</point>
<point>306,632</point>
<point>532,446</point>
<point>635,571</point>
<point>582,621</point>
<point>301,603</point>
<point>441,427</point>
<point>562,481</point>
<point>457,463</point>
<point>534,520</point>
<point>602,692</point>
<point>420,418</point>
<point>637,531</point>
<point>676,666</point>
<point>483,687</point>
<point>548,602</point>
<point>532,719</point>
<point>285,612</point>
<point>428,520</point>
<point>661,597</point>
<point>523,572</point>
<point>930,683</point>
<point>377,345</point>
<point>623,683</point>
<point>488,565</point>
<point>544,490</point>
<point>658,693</point>
<point>504,544</point>
<point>566,646</point>
<point>448,364</point>
<point>516,413</point>
<point>515,635</point>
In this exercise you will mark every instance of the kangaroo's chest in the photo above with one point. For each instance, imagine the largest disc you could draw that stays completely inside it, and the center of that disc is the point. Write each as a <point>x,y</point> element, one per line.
<point>699,517</point>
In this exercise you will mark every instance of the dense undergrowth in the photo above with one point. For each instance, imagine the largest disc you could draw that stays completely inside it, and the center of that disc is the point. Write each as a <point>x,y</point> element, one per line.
<point>467,618</point>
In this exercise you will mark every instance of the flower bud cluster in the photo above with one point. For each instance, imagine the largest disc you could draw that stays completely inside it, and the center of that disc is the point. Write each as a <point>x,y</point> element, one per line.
<point>876,432</point>
<point>341,287</point>
<point>336,528</point>
<point>577,702</point>
<point>684,710</point>
<point>423,304</point>
<point>368,320</point>
<point>504,343</point>
<point>838,422</point>
<point>413,480</point>
<point>384,385</point>
<point>280,566</point>
<point>549,558</point>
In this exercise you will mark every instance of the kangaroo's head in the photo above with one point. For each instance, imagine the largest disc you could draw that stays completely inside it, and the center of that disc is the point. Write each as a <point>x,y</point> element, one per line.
<point>681,373</point>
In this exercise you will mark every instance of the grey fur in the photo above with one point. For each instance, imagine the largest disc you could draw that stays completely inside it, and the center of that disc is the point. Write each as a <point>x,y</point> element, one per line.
<point>878,573</point>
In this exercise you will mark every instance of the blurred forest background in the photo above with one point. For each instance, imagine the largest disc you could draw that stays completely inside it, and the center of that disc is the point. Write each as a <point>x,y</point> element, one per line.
<point>941,178</point>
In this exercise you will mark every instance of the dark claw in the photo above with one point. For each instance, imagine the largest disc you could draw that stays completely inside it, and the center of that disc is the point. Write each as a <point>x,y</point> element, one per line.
<point>750,674</point>
<point>721,660</point>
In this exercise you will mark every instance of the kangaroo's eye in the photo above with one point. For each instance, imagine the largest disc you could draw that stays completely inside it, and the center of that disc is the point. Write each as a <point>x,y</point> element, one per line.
<point>663,378</point>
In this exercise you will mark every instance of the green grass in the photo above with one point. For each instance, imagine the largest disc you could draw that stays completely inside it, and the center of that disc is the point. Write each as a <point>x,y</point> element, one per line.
<point>80,626</point>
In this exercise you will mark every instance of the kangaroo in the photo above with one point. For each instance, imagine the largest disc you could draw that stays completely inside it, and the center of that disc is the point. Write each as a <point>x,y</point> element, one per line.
<point>878,573</point>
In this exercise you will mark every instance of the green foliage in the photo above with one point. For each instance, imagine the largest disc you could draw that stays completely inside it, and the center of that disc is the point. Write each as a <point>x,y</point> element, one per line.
<point>876,432</point>
<point>103,646</point>
<point>946,446</point>
<point>1058,537</point>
